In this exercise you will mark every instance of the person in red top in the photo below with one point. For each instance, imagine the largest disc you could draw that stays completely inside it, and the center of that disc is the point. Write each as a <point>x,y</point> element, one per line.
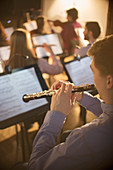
<point>72,16</point>
<point>68,34</point>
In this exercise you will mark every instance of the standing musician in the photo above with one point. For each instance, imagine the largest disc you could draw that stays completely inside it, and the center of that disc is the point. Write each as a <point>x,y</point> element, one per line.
<point>89,146</point>
<point>68,33</point>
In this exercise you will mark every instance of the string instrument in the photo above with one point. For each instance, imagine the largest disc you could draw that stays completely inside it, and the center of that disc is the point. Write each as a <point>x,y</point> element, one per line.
<point>49,93</point>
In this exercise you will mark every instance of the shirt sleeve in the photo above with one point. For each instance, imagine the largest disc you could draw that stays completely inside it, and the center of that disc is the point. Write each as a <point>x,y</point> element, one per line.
<point>46,155</point>
<point>52,69</point>
<point>46,138</point>
<point>83,51</point>
<point>91,103</point>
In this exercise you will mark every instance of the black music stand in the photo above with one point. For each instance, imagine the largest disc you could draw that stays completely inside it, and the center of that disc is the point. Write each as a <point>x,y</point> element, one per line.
<point>13,109</point>
<point>78,72</point>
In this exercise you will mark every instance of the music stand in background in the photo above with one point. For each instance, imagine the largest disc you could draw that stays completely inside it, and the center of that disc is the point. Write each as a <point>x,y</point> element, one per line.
<point>51,39</point>
<point>79,72</point>
<point>12,88</point>
<point>5,52</point>
<point>30,25</point>
<point>9,31</point>
<point>55,41</point>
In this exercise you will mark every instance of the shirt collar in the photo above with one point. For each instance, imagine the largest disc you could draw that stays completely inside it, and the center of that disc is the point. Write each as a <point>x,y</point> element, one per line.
<point>107,108</point>
<point>90,43</point>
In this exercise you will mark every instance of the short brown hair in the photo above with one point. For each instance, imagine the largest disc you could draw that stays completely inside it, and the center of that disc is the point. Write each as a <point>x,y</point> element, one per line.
<point>94,27</point>
<point>73,12</point>
<point>102,53</point>
<point>40,21</point>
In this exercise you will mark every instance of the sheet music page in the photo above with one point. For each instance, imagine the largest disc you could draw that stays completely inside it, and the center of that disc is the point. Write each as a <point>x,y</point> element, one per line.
<point>80,33</point>
<point>31,25</point>
<point>5,52</point>
<point>9,31</point>
<point>13,87</point>
<point>49,39</point>
<point>80,71</point>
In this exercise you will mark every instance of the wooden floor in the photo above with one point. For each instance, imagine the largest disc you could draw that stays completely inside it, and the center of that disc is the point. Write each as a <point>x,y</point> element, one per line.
<point>10,140</point>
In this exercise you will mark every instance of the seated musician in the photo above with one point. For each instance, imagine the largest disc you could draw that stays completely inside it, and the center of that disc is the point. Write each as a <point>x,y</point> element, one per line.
<point>89,146</point>
<point>91,33</point>
<point>22,54</point>
<point>41,26</point>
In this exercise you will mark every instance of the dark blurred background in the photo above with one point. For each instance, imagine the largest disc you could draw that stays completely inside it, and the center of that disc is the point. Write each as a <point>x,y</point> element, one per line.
<point>15,10</point>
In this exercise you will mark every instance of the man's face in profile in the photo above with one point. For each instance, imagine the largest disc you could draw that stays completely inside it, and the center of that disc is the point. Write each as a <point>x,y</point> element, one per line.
<point>99,79</point>
<point>86,34</point>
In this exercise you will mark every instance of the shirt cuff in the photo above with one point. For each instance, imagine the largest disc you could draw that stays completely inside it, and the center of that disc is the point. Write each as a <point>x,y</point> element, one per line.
<point>55,117</point>
<point>86,98</point>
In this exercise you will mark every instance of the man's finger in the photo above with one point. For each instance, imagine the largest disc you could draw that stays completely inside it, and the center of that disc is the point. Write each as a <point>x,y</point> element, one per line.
<point>69,89</point>
<point>63,88</point>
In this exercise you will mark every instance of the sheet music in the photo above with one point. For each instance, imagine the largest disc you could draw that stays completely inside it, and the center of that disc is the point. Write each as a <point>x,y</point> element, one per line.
<point>5,52</point>
<point>49,39</point>
<point>13,87</point>
<point>80,71</point>
<point>80,33</point>
<point>9,31</point>
<point>31,25</point>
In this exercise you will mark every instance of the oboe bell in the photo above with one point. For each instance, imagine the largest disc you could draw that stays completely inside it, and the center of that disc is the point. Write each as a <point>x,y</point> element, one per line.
<point>47,93</point>
<point>42,94</point>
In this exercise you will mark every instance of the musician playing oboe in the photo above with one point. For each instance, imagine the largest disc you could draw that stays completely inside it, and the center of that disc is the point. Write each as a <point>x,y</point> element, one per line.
<point>87,147</point>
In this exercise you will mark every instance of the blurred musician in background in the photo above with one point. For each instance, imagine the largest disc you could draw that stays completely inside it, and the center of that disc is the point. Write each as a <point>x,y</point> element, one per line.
<point>92,32</point>
<point>68,34</point>
<point>22,54</point>
<point>72,16</point>
<point>41,26</point>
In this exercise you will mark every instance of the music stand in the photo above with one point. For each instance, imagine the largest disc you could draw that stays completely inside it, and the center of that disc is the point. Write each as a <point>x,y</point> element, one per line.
<point>5,52</point>
<point>52,39</point>
<point>12,88</point>
<point>19,82</point>
<point>9,31</point>
<point>79,72</point>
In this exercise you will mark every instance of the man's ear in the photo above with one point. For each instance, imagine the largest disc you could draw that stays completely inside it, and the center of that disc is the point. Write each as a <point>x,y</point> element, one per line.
<point>109,82</point>
<point>90,33</point>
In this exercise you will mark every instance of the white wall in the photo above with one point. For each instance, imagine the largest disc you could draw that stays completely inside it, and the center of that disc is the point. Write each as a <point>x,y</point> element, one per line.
<point>89,10</point>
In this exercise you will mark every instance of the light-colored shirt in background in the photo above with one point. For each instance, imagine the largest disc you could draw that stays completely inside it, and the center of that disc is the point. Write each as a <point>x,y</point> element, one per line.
<point>51,69</point>
<point>81,52</point>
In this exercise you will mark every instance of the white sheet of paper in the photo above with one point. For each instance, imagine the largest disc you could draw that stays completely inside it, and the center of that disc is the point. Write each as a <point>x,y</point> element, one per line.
<point>80,71</point>
<point>31,25</point>
<point>49,39</point>
<point>1,67</point>
<point>5,52</point>
<point>13,87</point>
<point>9,31</point>
<point>80,33</point>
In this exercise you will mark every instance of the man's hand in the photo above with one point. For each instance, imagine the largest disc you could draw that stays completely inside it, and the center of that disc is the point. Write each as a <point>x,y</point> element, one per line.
<point>58,84</point>
<point>63,99</point>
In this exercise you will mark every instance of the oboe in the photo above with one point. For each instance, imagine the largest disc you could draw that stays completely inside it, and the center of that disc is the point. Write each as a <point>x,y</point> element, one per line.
<point>49,93</point>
